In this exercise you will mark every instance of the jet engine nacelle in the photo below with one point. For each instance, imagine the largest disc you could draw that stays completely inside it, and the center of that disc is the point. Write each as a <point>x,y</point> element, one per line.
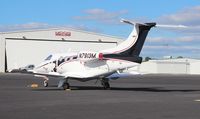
<point>89,56</point>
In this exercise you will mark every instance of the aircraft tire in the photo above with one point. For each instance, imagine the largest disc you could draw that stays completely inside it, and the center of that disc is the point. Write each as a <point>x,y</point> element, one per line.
<point>106,85</point>
<point>46,84</point>
<point>66,86</point>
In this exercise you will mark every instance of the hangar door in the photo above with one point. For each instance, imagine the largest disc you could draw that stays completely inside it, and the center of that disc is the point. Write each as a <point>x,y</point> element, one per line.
<point>22,52</point>
<point>172,67</point>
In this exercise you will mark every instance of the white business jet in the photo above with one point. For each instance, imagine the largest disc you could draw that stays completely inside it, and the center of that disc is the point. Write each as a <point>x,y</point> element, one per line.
<point>87,65</point>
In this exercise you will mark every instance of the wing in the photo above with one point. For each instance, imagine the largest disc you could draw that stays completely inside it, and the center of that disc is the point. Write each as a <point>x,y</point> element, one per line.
<point>50,74</point>
<point>123,75</point>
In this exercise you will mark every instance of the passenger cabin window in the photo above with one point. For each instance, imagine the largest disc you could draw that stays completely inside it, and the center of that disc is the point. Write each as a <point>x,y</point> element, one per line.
<point>67,59</point>
<point>54,62</point>
<point>75,57</point>
<point>49,57</point>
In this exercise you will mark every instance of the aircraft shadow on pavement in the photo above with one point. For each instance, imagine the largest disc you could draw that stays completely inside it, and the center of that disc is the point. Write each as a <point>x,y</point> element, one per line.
<point>139,89</point>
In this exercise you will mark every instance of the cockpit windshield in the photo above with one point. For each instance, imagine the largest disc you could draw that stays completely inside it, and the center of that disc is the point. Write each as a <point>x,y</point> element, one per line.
<point>48,58</point>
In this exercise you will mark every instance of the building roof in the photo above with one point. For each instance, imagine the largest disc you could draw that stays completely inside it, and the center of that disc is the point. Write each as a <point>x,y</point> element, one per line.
<point>179,60</point>
<point>61,28</point>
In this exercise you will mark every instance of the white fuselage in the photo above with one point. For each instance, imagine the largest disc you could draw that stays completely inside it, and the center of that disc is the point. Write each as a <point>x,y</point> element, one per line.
<point>70,65</point>
<point>92,69</point>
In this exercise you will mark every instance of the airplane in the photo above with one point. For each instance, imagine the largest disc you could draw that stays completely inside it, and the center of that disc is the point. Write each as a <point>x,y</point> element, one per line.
<point>102,65</point>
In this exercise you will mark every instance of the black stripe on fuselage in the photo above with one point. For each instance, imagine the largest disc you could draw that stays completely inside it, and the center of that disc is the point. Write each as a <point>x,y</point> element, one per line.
<point>136,59</point>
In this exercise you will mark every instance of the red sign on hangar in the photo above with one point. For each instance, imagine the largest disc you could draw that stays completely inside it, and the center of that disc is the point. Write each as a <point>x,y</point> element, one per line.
<point>62,33</point>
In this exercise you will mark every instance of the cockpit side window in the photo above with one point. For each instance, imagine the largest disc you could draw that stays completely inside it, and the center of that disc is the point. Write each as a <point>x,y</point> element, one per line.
<point>49,57</point>
<point>60,61</point>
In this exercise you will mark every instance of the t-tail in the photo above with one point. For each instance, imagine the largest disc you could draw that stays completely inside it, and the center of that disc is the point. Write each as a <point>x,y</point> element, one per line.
<point>130,49</point>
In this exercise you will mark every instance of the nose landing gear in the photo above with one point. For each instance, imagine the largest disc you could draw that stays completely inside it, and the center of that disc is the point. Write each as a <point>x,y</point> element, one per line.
<point>45,83</point>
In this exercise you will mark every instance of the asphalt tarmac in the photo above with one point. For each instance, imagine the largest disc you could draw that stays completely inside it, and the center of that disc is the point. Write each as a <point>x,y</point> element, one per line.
<point>139,97</point>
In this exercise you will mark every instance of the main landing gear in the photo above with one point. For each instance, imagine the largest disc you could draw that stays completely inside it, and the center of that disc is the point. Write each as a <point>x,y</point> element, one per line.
<point>105,83</point>
<point>63,84</point>
<point>66,86</point>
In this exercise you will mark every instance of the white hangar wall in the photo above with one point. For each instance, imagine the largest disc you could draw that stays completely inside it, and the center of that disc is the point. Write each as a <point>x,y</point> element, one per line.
<point>195,67</point>
<point>147,67</point>
<point>31,47</point>
<point>171,66</point>
<point>2,54</point>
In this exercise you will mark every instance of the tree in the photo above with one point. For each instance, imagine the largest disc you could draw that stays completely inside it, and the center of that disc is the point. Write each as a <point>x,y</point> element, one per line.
<point>179,57</point>
<point>147,59</point>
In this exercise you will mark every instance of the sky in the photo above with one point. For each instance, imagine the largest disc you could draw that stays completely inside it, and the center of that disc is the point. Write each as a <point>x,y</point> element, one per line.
<point>103,16</point>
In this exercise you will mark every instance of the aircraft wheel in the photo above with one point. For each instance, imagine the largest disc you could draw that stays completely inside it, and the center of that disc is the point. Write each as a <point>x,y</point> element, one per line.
<point>66,86</point>
<point>45,84</point>
<point>105,84</point>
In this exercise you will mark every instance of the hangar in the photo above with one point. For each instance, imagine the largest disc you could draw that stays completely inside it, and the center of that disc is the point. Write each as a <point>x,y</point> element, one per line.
<point>171,66</point>
<point>20,48</point>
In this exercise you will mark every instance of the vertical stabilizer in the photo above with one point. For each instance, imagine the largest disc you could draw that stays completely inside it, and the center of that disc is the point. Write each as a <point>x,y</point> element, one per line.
<point>132,46</point>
